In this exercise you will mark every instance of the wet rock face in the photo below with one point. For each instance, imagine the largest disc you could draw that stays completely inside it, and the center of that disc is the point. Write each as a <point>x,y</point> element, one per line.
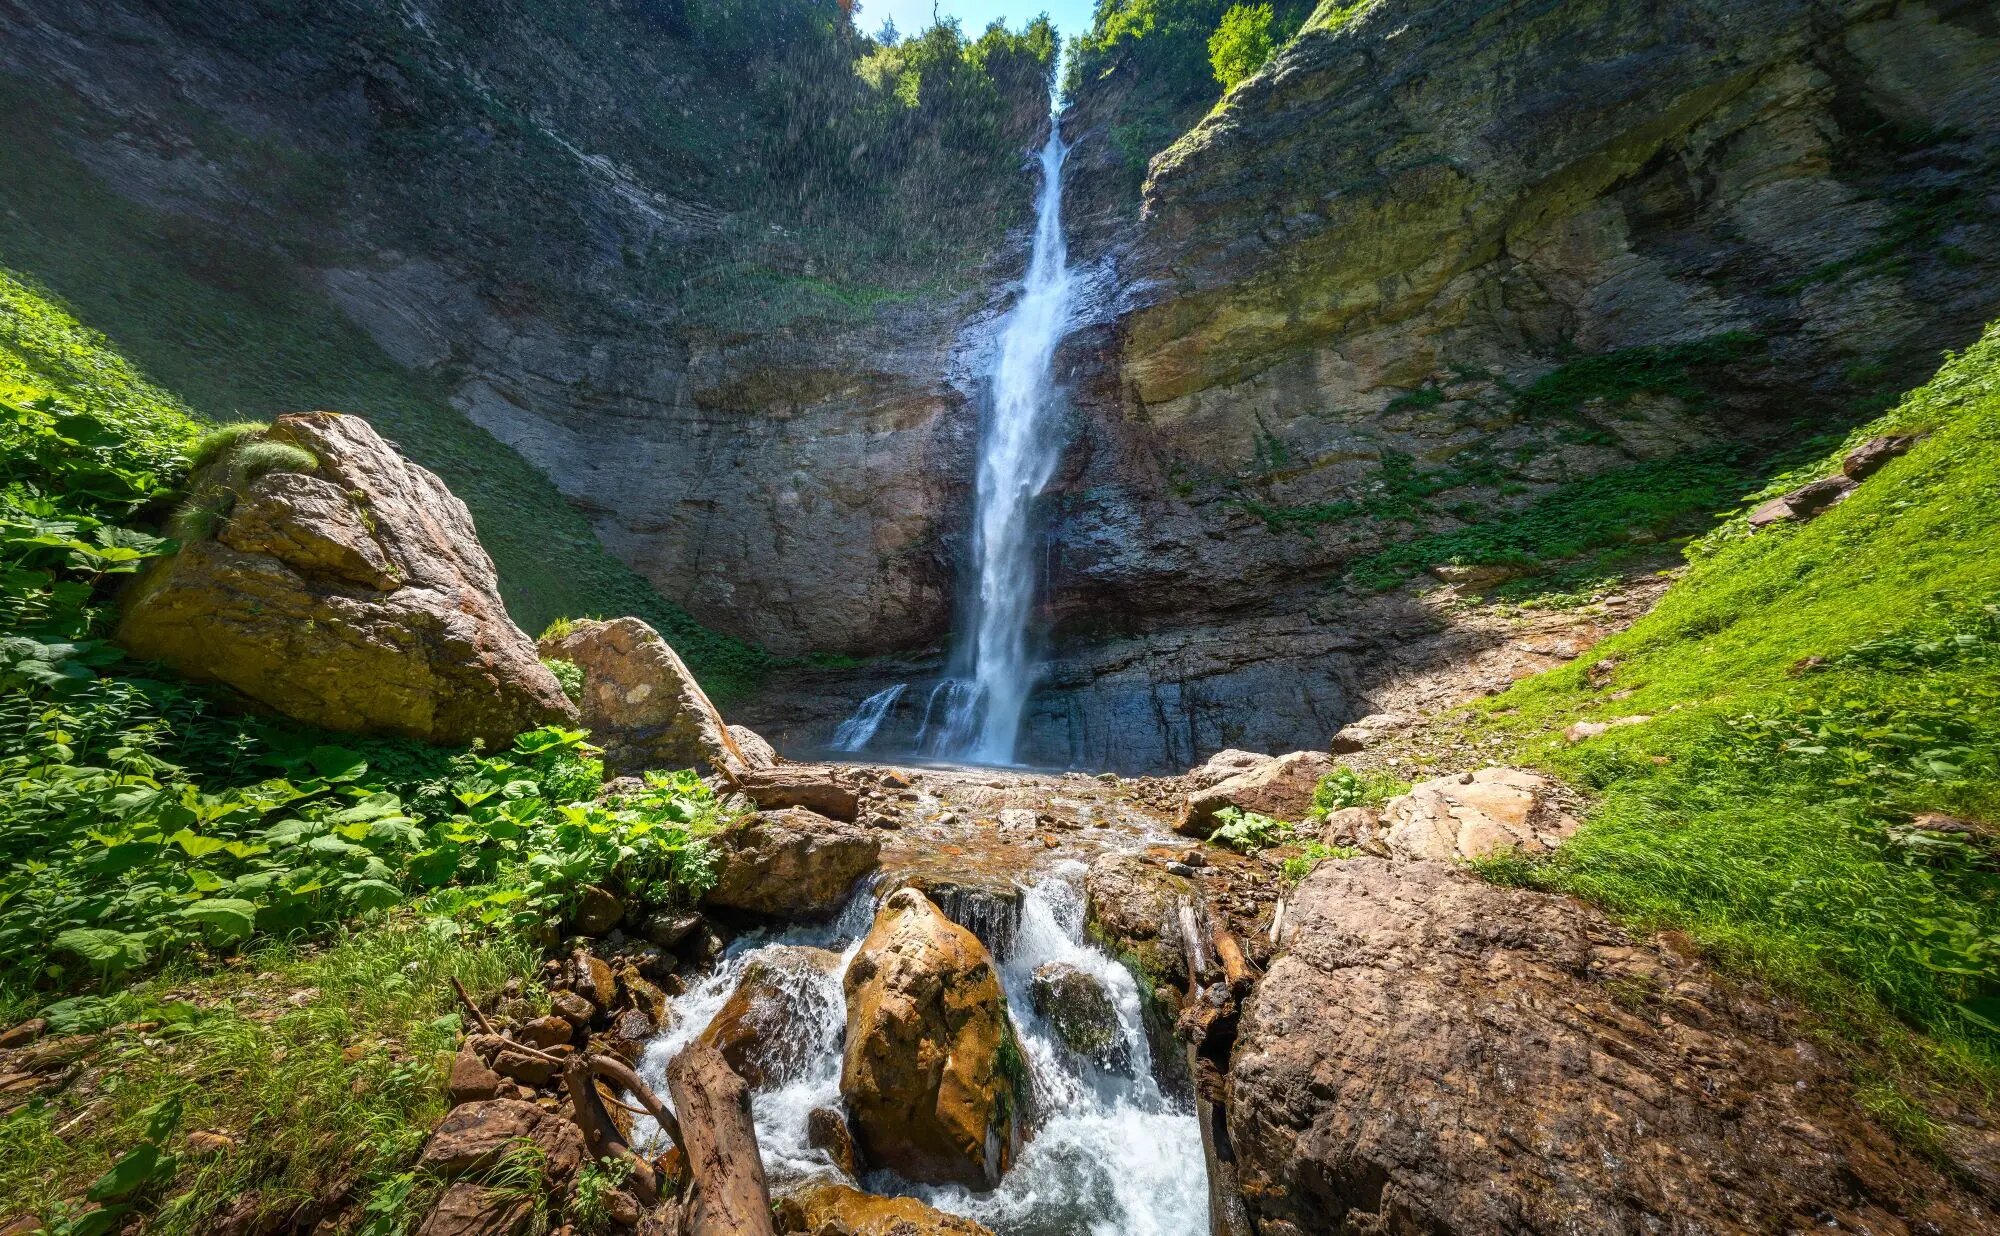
<point>824,1208</point>
<point>931,1074</point>
<point>642,705</point>
<point>759,1029</point>
<point>1130,904</point>
<point>356,597</point>
<point>793,863</point>
<point>1079,1010</point>
<point>1433,1053</point>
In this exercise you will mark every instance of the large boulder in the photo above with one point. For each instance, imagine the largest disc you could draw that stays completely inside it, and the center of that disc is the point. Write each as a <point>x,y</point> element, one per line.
<point>355,597</point>
<point>1475,815</point>
<point>794,863</point>
<point>1130,904</point>
<point>827,1208</point>
<point>764,1029</point>
<point>642,705</point>
<point>1281,788</point>
<point>933,1078</point>
<point>1080,1014</point>
<point>1432,1053</point>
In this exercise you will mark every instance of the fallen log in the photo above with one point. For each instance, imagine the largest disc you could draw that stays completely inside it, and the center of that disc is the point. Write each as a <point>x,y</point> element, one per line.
<point>601,1137</point>
<point>1200,972</point>
<point>1236,968</point>
<point>731,1197</point>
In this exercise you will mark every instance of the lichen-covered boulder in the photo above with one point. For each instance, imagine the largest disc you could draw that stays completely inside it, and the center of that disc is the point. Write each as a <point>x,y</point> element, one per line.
<point>355,597</point>
<point>827,1208</point>
<point>1130,904</point>
<point>1080,1013</point>
<point>1476,814</point>
<point>932,1073</point>
<point>1281,788</point>
<point>764,1029</point>
<point>643,706</point>
<point>793,863</point>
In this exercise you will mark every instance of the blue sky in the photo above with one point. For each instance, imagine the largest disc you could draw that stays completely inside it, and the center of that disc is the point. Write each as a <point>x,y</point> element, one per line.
<point>1070,16</point>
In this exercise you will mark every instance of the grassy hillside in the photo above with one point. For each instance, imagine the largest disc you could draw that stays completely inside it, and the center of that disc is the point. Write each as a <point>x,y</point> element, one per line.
<point>1815,692</point>
<point>234,334</point>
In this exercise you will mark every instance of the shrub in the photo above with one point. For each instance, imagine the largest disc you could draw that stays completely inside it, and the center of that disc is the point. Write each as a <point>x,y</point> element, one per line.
<point>1248,831</point>
<point>1241,43</point>
<point>569,676</point>
<point>1343,788</point>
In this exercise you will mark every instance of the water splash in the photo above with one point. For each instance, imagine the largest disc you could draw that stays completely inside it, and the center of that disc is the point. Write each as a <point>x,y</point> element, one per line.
<point>1017,456</point>
<point>1110,1155</point>
<point>859,730</point>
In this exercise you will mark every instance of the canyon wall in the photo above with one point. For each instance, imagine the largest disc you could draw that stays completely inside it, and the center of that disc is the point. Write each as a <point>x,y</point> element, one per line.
<point>1519,288</point>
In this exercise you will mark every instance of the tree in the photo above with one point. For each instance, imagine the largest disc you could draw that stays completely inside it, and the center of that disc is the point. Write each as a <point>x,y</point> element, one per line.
<point>1241,43</point>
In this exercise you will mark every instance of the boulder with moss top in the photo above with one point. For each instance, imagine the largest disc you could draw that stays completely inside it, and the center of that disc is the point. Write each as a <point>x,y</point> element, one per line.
<point>354,596</point>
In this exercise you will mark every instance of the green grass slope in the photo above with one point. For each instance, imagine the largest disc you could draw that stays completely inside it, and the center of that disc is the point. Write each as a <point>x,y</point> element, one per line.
<point>1813,691</point>
<point>233,334</point>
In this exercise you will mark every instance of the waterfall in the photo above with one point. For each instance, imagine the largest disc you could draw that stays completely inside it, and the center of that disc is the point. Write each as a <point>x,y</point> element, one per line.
<point>854,733</point>
<point>1017,455</point>
<point>1110,1154</point>
<point>993,670</point>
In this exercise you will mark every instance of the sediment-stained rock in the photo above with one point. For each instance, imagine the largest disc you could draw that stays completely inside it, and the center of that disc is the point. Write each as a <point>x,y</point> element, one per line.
<point>932,1075</point>
<point>1476,814</point>
<point>793,862</point>
<point>762,1029</point>
<point>826,1208</point>
<point>1281,788</point>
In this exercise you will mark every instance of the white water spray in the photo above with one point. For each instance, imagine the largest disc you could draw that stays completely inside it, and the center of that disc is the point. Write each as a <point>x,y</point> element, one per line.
<point>1017,456</point>
<point>983,703</point>
<point>1110,1154</point>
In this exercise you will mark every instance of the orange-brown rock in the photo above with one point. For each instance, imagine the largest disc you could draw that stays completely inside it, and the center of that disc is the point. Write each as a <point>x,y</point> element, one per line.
<point>926,1075</point>
<point>825,1208</point>
<point>356,597</point>
<point>1281,788</point>
<point>468,1209</point>
<point>792,862</point>
<point>1433,1053</point>
<point>760,1030</point>
<point>1476,814</point>
<point>643,706</point>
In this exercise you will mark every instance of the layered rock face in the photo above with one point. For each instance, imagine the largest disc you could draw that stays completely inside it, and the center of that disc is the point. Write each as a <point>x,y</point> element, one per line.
<point>1430,1053</point>
<point>356,597</point>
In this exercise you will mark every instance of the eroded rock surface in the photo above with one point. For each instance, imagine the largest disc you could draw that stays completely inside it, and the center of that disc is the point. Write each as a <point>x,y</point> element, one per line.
<point>1475,815</point>
<point>642,705</point>
<point>357,598</point>
<point>1079,1010</point>
<point>793,862</point>
<point>1281,788</point>
<point>932,1076</point>
<point>758,1031</point>
<point>1431,1053</point>
<point>826,1208</point>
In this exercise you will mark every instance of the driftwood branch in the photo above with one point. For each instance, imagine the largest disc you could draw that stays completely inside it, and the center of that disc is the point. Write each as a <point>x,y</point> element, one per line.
<point>731,1196</point>
<point>600,1134</point>
<point>1196,946</point>
<point>478,1018</point>
<point>1237,969</point>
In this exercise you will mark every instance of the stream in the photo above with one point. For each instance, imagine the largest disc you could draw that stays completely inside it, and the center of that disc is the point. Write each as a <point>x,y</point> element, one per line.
<point>1110,1155</point>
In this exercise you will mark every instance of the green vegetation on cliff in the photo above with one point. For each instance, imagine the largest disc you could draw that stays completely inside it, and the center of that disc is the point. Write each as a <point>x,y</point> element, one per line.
<point>1817,791</point>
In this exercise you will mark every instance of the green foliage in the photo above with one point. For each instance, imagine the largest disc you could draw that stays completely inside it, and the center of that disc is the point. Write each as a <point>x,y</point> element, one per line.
<point>1677,369</point>
<point>252,460</point>
<point>1241,43</point>
<point>589,1196</point>
<point>1248,831</point>
<point>1301,865</point>
<point>327,1066</point>
<point>568,675</point>
<point>1815,690</point>
<point>1343,788</point>
<point>222,440</point>
<point>1166,46</point>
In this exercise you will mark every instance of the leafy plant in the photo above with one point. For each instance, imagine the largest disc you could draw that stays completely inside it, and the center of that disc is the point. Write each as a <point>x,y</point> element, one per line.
<point>1343,787</point>
<point>1301,865</point>
<point>595,1183</point>
<point>568,676</point>
<point>1248,831</point>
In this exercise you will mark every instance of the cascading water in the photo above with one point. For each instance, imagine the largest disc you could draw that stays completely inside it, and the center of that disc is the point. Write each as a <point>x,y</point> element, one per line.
<point>1017,455</point>
<point>993,671</point>
<point>854,733</point>
<point>1110,1154</point>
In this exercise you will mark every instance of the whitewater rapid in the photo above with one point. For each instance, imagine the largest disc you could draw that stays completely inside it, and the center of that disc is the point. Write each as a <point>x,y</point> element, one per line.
<point>1110,1154</point>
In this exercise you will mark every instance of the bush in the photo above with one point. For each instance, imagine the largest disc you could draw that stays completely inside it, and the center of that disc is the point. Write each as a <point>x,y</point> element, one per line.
<point>1241,43</point>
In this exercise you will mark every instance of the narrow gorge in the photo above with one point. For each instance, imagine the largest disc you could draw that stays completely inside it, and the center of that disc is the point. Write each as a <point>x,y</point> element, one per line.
<point>1164,618</point>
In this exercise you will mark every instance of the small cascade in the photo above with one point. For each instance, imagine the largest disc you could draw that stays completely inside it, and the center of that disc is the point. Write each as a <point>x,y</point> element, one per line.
<point>1110,1155</point>
<point>859,730</point>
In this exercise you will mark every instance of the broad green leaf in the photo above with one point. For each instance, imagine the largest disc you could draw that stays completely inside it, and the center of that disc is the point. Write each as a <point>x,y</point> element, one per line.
<point>197,846</point>
<point>371,894</point>
<point>225,919</point>
<point>104,948</point>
